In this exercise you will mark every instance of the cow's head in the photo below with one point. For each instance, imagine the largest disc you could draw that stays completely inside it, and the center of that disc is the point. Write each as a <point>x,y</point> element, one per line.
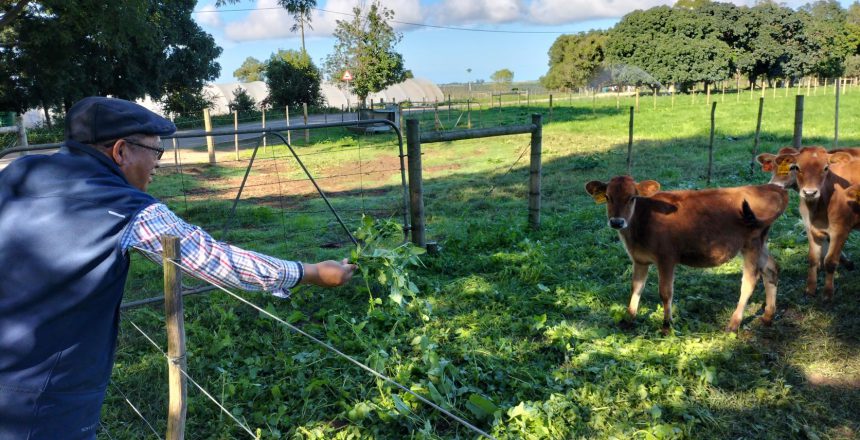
<point>810,166</point>
<point>778,176</point>
<point>620,196</point>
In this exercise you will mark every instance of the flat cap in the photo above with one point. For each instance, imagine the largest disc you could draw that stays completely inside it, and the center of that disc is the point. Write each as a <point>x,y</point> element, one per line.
<point>95,119</point>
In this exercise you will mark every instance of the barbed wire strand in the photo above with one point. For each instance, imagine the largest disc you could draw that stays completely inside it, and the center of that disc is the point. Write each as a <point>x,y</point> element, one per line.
<point>340,353</point>
<point>187,376</point>
<point>523,153</point>
<point>137,411</point>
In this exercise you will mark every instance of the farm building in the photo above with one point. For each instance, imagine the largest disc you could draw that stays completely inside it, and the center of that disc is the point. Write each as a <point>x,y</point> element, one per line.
<point>413,89</point>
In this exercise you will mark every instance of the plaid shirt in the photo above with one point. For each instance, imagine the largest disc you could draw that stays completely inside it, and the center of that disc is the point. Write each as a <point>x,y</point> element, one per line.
<point>210,260</point>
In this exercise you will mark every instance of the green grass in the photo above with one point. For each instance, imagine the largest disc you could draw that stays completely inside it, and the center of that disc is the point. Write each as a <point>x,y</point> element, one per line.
<point>517,329</point>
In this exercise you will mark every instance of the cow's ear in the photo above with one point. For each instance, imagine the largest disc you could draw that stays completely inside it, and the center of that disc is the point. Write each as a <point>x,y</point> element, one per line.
<point>766,161</point>
<point>647,188</point>
<point>595,187</point>
<point>852,193</point>
<point>839,157</point>
<point>783,163</point>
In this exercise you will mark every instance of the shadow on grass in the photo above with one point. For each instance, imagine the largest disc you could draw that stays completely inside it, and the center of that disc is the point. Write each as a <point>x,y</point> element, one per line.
<point>525,316</point>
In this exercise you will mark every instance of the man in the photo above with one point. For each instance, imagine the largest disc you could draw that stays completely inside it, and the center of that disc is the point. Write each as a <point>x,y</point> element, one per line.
<point>67,224</point>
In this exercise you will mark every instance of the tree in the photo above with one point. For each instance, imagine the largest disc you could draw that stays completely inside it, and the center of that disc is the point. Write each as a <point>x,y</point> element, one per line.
<point>692,4</point>
<point>293,79</point>
<point>242,102</point>
<point>828,37</point>
<point>11,10</point>
<point>301,11</point>
<point>502,78</point>
<point>365,47</point>
<point>58,51</point>
<point>671,45</point>
<point>574,59</point>
<point>250,70</point>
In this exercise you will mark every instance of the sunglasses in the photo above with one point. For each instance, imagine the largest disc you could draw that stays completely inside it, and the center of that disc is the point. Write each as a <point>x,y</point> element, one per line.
<point>159,151</point>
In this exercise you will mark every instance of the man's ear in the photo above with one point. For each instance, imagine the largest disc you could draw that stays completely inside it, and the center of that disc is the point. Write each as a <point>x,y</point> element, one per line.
<point>118,151</point>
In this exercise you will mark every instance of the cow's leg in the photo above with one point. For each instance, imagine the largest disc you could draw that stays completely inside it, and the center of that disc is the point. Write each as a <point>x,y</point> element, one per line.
<point>770,273</point>
<point>666,273</point>
<point>831,260</point>
<point>640,274</point>
<point>748,281</point>
<point>816,240</point>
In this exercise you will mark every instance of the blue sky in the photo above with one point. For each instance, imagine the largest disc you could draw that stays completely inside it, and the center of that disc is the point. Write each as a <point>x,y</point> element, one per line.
<point>505,34</point>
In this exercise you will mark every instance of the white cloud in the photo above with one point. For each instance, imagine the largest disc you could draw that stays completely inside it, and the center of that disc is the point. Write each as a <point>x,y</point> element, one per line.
<point>208,16</point>
<point>455,12</point>
<point>569,11</point>
<point>269,21</point>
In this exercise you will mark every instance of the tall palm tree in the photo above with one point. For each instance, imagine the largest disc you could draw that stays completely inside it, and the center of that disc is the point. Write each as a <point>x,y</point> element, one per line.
<point>301,10</point>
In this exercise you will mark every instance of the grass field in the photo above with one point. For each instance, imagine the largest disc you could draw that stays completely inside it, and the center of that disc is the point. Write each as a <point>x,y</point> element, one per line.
<point>513,330</point>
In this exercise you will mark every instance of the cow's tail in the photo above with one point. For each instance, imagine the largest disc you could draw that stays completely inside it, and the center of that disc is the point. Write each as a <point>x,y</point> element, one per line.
<point>748,216</point>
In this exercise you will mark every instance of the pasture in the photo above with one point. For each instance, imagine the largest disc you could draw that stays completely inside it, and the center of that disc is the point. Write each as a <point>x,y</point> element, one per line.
<point>514,330</point>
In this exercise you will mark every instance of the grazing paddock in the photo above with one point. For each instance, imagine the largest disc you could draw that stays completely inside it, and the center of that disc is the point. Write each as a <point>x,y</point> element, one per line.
<point>517,330</point>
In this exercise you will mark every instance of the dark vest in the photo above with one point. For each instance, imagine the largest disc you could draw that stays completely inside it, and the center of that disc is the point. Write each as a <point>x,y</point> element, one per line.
<point>61,219</point>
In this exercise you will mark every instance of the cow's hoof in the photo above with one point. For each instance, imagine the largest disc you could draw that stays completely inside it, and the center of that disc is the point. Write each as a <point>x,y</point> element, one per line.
<point>847,264</point>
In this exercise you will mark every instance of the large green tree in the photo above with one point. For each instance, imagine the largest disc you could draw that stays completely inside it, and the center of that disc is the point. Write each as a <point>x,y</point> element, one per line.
<point>58,51</point>
<point>293,79</point>
<point>574,60</point>
<point>251,69</point>
<point>365,47</point>
<point>672,45</point>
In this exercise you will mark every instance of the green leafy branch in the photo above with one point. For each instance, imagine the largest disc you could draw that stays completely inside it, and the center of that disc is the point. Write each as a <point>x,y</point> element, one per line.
<point>378,261</point>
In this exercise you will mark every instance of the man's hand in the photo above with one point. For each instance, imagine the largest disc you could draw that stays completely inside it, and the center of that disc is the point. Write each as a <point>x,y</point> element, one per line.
<point>328,273</point>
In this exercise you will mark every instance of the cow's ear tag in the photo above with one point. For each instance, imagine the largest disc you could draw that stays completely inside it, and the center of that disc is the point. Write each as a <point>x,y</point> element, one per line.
<point>783,169</point>
<point>599,197</point>
<point>767,166</point>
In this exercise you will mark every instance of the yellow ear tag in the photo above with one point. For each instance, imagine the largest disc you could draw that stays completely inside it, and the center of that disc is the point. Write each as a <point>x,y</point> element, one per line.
<point>783,169</point>
<point>599,198</point>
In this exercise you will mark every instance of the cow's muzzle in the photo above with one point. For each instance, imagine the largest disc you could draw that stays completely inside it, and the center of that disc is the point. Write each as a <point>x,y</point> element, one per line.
<point>617,223</point>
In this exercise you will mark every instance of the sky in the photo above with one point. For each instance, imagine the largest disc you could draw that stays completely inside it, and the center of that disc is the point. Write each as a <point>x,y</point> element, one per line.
<point>445,41</point>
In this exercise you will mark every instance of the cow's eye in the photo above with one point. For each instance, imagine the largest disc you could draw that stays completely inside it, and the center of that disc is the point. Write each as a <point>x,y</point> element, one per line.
<point>826,168</point>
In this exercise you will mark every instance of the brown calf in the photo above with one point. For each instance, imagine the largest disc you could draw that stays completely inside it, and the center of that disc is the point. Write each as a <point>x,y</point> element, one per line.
<point>783,176</point>
<point>825,206</point>
<point>695,228</point>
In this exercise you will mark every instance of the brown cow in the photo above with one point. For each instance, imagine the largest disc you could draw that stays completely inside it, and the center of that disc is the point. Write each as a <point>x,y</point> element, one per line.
<point>822,180</point>
<point>695,228</point>
<point>783,176</point>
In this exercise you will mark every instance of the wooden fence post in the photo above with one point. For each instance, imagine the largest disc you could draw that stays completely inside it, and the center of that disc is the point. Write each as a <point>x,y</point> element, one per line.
<point>550,107</point>
<point>236,136</point>
<point>630,144</point>
<point>836,119</point>
<point>264,126</point>
<point>535,173</point>
<point>22,133</point>
<point>308,132</point>
<point>757,132</point>
<point>173,314</point>
<point>287,112</point>
<point>210,144</point>
<point>798,121</point>
<point>711,143</point>
<point>416,185</point>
